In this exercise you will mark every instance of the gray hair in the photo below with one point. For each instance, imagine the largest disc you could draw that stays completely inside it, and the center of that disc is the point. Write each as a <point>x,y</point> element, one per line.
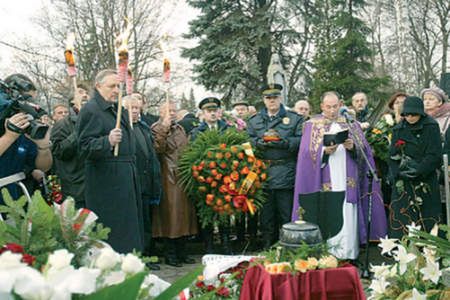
<point>100,78</point>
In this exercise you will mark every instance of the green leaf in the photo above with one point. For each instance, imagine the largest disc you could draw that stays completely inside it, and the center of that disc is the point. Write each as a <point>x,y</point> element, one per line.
<point>180,285</point>
<point>127,290</point>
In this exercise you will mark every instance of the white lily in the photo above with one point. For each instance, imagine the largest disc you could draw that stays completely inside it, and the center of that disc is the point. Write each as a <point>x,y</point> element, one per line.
<point>431,271</point>
<point>411,228</point>
<point>381,271</point>
<point>378,286</point>
<point>416,295</point>
<point>434,231</point>
<point>429,254</point>
<point>387,245</point>
<point>403,258</point>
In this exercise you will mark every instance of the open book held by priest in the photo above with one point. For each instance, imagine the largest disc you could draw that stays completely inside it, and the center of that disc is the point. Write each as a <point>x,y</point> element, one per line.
<point>330,138</point>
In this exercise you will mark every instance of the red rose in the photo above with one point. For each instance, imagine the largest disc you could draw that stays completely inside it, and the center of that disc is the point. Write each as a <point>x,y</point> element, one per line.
<point>200,284</point>
<point>28,259</point>
<point>223,291</point>
<point>400,143</point>
<point>210,287</point>
<point>239,200</point>
<point>14,248</point>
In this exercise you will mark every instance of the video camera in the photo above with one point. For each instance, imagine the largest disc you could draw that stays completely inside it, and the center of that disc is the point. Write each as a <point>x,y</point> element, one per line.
<point>13,101</point>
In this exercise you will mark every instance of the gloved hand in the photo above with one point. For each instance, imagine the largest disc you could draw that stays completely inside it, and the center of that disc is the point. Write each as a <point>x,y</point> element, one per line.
<point>409,174</point>
<point>281,144</point>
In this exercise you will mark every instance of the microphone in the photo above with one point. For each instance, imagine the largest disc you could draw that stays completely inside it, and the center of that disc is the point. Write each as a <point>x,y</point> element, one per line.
<point>343,111</point>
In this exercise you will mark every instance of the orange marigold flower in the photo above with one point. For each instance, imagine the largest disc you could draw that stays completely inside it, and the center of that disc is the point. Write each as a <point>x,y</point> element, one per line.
<point>227,155</point>
<point>213,184</point>
<point>218,176</point>
<point>223,146</point>
<point>223,165</point>
<point>234,149</point>
<point>234,176</point>
<point>219,155</point>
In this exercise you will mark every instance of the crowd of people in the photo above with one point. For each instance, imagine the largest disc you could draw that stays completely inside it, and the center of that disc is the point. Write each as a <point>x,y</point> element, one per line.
<point>317,162</point>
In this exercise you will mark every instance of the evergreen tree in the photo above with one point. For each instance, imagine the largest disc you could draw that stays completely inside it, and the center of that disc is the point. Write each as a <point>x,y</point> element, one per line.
<point>235,45</point>
<point>342,59</point>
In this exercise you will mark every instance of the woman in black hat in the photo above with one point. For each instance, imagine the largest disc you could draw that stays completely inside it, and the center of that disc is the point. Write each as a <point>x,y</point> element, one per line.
<point>415,155</point>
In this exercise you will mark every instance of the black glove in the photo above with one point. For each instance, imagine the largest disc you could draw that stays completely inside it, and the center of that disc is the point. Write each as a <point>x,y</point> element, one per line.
<point>409,174</point>
<point>281,144</point>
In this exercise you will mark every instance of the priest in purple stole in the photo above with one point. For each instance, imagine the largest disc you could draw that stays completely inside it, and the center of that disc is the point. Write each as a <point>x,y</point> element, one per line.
<point>331,182</point>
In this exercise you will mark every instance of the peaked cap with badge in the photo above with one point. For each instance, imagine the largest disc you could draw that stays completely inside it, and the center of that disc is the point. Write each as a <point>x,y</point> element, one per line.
<point>209,102</point>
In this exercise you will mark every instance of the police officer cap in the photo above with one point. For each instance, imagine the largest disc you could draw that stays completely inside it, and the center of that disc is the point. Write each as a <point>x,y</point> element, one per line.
<point>209,102</point>
<point>413,105</point>
<point>240,103</point>
<point>272,90</point>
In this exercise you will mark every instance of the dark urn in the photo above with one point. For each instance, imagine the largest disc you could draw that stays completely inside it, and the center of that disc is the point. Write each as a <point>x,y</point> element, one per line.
<point>293,234</point>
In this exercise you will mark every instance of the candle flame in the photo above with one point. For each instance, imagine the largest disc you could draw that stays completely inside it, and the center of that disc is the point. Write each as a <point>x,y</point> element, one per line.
<point>70,41</point>
<point>122,38</point>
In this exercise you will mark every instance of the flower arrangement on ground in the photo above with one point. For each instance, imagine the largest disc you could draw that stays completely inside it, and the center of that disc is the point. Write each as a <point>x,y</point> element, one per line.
<point>57,252</point>
<point>221,174</point>
<point>380,137</point>
<point>421,268</point>
<point>303,259</point>
<point>227,285</point>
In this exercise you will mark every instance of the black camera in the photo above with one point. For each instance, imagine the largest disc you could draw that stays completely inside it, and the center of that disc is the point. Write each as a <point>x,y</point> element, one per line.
<point>13,101</point>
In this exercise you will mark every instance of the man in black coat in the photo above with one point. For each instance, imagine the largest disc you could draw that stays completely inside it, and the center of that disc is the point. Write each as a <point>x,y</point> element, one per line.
<point>112,189</point>
<point>69,165</point>
<point>148,170</point>
<point>285,129</point>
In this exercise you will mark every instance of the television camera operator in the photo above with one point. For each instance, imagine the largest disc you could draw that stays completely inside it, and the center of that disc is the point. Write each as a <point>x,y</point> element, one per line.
<point>24,140</point>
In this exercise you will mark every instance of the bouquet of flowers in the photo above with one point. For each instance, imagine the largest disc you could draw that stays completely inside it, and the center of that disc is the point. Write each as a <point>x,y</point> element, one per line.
<point>227,285</point>
<point>305,258</point>
<point>54,189</point>
<point>421,269</point>
<point>222,176</point>
<point>380,137</point>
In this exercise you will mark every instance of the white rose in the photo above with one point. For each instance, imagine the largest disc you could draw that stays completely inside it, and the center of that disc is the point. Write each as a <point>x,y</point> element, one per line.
<point>9,260</point>
<point>389,119</point>
<point>107,259</point>
<point>60,259</point>
<point>31,285</point>
<point>131,264</point>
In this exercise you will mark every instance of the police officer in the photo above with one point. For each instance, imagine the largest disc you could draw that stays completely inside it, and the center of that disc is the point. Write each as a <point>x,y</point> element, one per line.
<point>276,134</point>
<point>210,107</point>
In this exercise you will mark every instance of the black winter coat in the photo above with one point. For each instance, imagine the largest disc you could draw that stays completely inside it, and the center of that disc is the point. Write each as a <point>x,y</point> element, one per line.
<point>415,197</point>
<point>282,159</point>
<point>147,165</point>
<point>112,188</point>
<point>69,164</point>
